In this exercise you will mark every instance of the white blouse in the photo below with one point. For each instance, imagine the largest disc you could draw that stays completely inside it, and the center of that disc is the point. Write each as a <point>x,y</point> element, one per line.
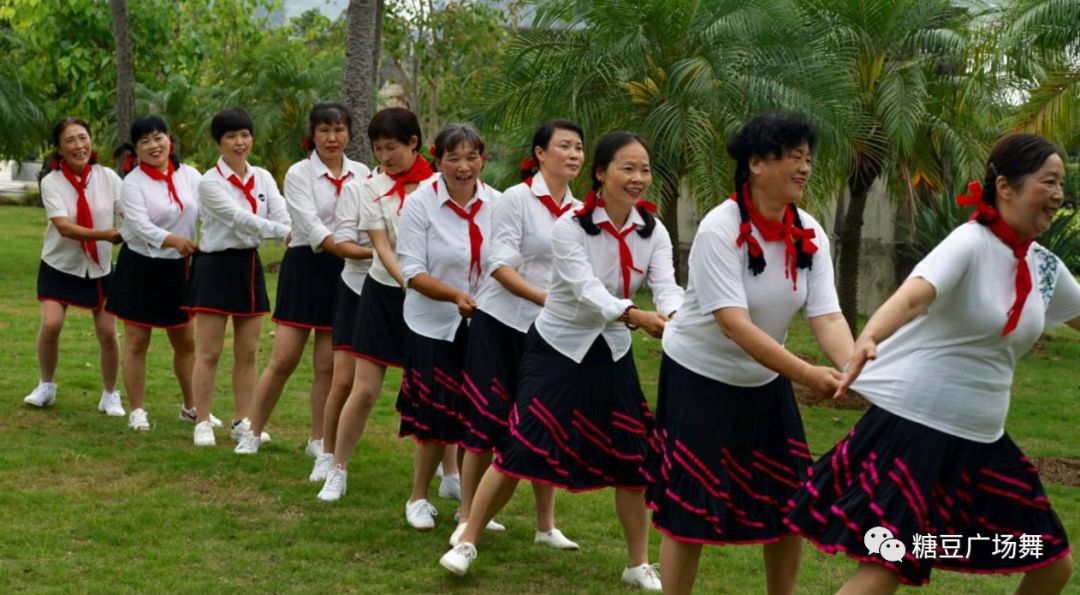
<point>378,211</point>
<point>227,218</point>
<point>348,230</point>
<point>150,214</point>
<point>311,198</point>
<point>60,199</point>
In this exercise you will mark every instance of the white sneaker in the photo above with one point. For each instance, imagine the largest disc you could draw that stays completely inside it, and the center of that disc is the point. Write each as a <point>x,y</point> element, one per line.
<point>204,434</point>
<point>322,467</point>
<point>335,485</point>
<point>110,404</point>
<point>248,444</point>
<point>455,537</point>
<point>191,416</point>
<point>555,539</point>
<point>43,394</point>
<point>493,525</point>
<point>137,420</point>
<point>314,448</point>
<point>421,515</point>
<point>450,487</point>
<point>458,559</point>
<point>645,577</point>
<point>239,428</point>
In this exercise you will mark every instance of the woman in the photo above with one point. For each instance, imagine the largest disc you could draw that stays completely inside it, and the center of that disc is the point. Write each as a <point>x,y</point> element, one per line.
<point>729,447</point>
<point>931,457</point>
<point>580,419</point>
<point>160,200</point>
<point>507,305</point>
<point>240,206</point>
<point>76,260</point>
<point>309,271</point>
<point>443,241</point>
<point>379,339</point>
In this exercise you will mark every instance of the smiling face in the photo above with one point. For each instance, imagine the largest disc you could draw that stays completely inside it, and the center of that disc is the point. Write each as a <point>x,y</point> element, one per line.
<point>235,145</point>
<point>153,149</point>
<point>330,138</point>
<point>1030,206</point>
<point>627,177</point>
<point>75,146</point>
<point>784,177</point>
<point>460,167</point>
<point>563,157</point>
<point>394,156</point>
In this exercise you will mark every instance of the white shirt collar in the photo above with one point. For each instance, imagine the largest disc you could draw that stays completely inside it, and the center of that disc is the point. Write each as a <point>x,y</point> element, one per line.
<point>320,168</point>
<point>600,215</point>
<point>227,171</point>
<point>444,195</point>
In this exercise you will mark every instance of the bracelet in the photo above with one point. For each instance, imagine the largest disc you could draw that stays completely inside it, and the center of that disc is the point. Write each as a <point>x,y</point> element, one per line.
<point>625,318</point>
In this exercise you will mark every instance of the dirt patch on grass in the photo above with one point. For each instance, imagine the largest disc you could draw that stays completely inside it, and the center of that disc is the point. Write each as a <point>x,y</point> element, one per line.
<point>851,401</point>
<point>273,266</point>
<point>1059,470</point>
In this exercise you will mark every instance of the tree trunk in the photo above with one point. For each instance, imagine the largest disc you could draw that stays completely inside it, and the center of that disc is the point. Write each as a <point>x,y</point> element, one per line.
<point>376,56</point>
<point>669,208</point>
<point>850,243</point>
<point>125,71</point>
<point>357,73</point>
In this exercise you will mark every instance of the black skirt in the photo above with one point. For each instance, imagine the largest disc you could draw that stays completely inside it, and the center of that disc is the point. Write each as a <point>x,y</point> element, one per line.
<point>431,402</point>
<point>913,480</point>
<point>382,332</point>
<point>149,291</point>
<point>346,317</point>
<point>724,460</point>
<point>491,379</point>
<point>577,426</point>
<point>229,282</point>
<point>54,285</point>
<point>306,288</point>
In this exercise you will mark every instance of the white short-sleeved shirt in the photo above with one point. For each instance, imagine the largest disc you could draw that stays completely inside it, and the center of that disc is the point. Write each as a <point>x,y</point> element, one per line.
<point>720,277</point>
<point>433,239</point>
<point>150,214</point>
<point>311,198</point>
<point>521,240</point>
<point>950,368</point>
<point>227,219</point>
<point>586,299</point>
<point>379,211</point>
<point>61,199</point>
<point>355,272</point>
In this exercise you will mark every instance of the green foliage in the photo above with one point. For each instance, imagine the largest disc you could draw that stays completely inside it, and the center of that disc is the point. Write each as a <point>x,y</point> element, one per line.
<point>21,120</point>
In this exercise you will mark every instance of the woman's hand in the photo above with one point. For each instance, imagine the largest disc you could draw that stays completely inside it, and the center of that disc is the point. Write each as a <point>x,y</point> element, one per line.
<point>182,245</point>
<point>113,236</point>
<point>651,322</point>
<point>865,350</point>
<point>821,379</point>
<point>465,304</point>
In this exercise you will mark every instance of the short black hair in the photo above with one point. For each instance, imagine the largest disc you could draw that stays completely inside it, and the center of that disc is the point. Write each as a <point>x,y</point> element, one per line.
<point>454,135</point>
<point>233,119</point>
<point>395,123</point>
<point>330,113</point>
<point>147,124</point>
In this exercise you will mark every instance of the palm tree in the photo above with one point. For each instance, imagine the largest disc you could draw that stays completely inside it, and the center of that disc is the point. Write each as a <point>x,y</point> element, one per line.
<point>683,74</point>
<point>125,71</point>
<point>20,118</point>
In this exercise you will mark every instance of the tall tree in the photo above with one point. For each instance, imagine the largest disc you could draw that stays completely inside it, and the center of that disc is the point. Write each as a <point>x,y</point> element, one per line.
<point>125,71</point>
<point>359,74</point>
<point>20,117</point>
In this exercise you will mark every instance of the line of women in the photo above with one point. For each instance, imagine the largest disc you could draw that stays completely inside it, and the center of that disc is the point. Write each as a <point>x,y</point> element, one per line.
<point>510,315</point>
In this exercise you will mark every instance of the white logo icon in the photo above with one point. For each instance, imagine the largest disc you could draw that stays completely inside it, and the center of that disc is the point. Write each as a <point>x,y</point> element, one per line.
<point>893,550</point>
<point>880,540</point>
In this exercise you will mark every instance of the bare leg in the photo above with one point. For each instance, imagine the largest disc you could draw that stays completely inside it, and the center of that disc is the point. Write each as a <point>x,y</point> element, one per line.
<point>425,459</point>
<point>870,579</point>
<point>494,491</point>
<point>544,495</point>
<point>211,328</point>
<point>322,360</point>
<point>367,383</point>
<point>630,506</point>
<point>782,560</point>
<point>472,470</point>
<point>183,344</point>
<point>450,461</point>
<point>679,561</point>
<point>1048,580</point>
<point>136,342</point>
<point>340,387</point>
<point>108,348</point>
<point>48,343</point>
<point>289,344</point>
<point>246,332</point>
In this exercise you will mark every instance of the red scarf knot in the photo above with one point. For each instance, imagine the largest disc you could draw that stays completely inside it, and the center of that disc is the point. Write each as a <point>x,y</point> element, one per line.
<point>626,257</point>
<point>549,202</point>
<point>156,174</point>
<point>418,172</point>
<point>775,231</point>
<point>84,217</point>
<point>338,183</point>
<point>476,238</point>
<point>246,187</point>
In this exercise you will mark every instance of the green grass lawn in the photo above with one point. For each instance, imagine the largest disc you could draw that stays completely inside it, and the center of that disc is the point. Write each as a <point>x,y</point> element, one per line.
<point>88,505</point>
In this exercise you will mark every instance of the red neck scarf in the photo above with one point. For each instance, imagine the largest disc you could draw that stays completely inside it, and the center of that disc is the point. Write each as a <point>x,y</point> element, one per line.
<point>549,202</point>
<point>155,174</point>
<point>593,200</point>
<point>775,231</point>
<point>84,217</point>
<point>626,257</point>
<point>338,183</point>
<point>420,171</point>
<point>989,216</point>
<point>246,188</point>
<point>476,239</point>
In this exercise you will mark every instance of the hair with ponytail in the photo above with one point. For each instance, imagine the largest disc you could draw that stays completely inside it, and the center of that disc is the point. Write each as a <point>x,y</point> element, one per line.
<point>1015,157</point>
<point>54,159</point>
<point>606,148</point>
<point>542,138</point>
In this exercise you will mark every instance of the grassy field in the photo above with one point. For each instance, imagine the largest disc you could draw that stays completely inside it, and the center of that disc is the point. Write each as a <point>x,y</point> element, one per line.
<point>86,505</point>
